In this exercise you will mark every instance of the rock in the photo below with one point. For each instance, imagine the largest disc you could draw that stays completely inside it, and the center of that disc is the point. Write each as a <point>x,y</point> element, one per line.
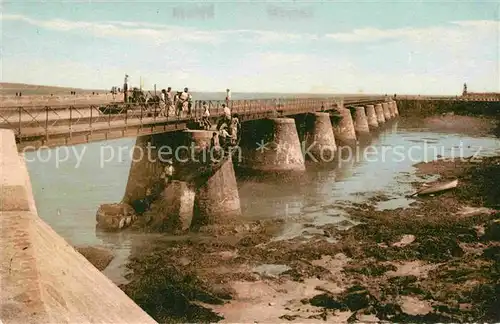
<point>414,306</point>
<point>112,217</point>
<point>184,261</point>
<point>99,257</point>
<point>357,298</point>
<point>327,301</point>
<point>492,231</point>
<point>405,240</point>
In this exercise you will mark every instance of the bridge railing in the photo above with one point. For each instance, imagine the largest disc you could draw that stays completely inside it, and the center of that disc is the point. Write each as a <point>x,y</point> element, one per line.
<point>29,121</point>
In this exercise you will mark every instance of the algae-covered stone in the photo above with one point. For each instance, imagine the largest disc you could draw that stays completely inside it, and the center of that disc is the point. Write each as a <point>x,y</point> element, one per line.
<point>98,256</point>
<point>112,217</point>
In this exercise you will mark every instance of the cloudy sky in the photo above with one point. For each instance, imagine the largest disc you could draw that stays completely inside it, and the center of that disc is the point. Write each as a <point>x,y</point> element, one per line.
<point>273,46</point>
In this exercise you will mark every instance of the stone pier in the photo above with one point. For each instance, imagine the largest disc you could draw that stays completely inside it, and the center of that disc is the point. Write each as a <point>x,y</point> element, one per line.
<point>371,115</point>
<point>344,127</point>
<point>200,178</point>
<point>146,168</point>
<point>271,145</point>
<point>387,113</point>
<point>173,211</point>
<point>379,110</point>
<point>396,108</point>
<point>319,138</point>
<point>217,200</point>
<point>391,109</point>
<point>361,121</point>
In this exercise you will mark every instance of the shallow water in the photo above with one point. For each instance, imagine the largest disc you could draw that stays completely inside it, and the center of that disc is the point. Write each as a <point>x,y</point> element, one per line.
<point>68,195</point>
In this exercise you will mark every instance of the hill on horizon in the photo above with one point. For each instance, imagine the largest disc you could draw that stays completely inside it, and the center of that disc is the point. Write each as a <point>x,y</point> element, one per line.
<point>10,89</point>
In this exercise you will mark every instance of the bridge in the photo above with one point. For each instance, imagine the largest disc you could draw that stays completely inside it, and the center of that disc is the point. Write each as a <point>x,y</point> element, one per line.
<point>53,125</point>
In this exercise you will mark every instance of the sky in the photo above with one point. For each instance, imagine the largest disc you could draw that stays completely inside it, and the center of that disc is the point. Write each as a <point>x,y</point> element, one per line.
<point>418,47</point>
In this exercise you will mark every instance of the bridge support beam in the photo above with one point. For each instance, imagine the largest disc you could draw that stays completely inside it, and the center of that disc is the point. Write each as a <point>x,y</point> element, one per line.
<point>173,211</point>
<point>371,115</point>
<point>144,175</point>
<point>379,110</point>
<point>396,108</point>
<point>271,145</point>
<point>361,121</point>
<point>319,139</point>
<point>217,200</point>
<point>387,113</point>
<point>210,198</point>
<point>391,109</point>
<point>344,127</point>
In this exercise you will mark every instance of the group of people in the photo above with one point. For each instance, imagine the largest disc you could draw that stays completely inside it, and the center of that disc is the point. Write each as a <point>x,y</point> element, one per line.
<point>178,103</point>
<point>229,127</point>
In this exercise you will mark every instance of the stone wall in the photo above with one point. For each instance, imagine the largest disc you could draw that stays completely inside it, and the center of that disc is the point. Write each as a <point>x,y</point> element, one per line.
<point>43,279</point>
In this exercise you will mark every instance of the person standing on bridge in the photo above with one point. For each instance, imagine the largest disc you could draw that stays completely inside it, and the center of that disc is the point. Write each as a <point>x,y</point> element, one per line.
<point>170,101</point>
<point>186,100</point>
<point>206,116</point>
<point>163,102</point>
<point>228,96</point>
<point>178,103</point>
<point>125,88</point>
<point>234,129</point>
<point>227,112</point>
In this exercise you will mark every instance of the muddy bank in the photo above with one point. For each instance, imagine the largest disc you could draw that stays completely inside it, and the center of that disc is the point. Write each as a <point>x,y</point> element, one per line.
<point>436,261</point>
<point>457,124</point>
<point>431,107</point>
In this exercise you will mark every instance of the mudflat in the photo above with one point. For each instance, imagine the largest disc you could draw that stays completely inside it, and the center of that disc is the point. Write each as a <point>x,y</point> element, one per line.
<point>438,261</point>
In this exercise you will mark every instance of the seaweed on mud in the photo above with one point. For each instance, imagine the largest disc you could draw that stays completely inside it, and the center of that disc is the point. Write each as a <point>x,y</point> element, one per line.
<point>371,269</point>
<point>404,285</point>
<point>166,294</point>
<point>459,265</point>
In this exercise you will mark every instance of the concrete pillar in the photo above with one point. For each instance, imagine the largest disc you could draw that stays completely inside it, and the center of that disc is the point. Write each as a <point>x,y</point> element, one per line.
<point>319,139</point>
<point>392,109</point>
<point>360,121</point>
<point>217,200</point>
<point>145,170</point>
<point>186,149</point>
<point>271,145</point>
<point>380,114</point>
<point>344,127</point>
<point>174,208</point>
<point>389,107</point>
<point>396,108</point>
<point>371,115</point>
<point>387,113</point>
